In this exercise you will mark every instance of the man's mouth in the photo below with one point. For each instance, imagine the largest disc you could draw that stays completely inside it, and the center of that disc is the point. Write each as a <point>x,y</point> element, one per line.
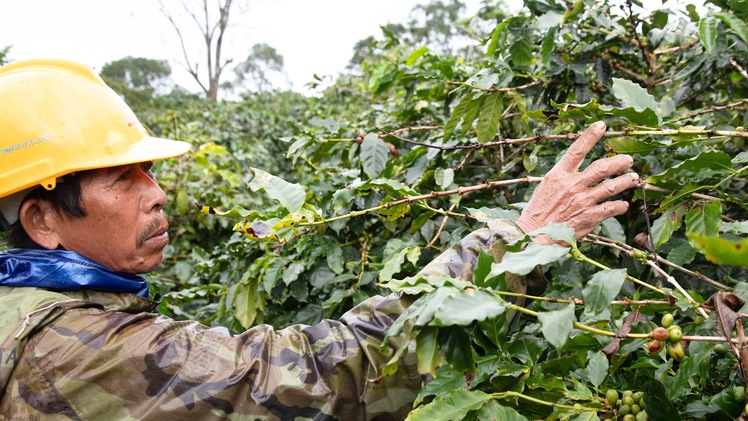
<point>156,234</point>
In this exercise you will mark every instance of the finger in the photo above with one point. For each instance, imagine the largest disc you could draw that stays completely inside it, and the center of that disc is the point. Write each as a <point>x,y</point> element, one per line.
<point>606,210</point>
<point>604,168</point>
<point>611,187</point>
<point>598,214</point>
<point>573,158</point>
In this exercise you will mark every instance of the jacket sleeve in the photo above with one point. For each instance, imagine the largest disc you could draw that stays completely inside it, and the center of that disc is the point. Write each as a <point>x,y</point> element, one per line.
<point>92,363</point>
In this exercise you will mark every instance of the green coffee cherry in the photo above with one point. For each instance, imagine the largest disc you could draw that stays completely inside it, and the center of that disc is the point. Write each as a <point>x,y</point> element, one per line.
<point>676,351</point>
<point>675,336</point>
<point>611,396</point>
<point>721,348</point>
<point>739,394</point>
<point>624,409</point>
<point>667,320</point>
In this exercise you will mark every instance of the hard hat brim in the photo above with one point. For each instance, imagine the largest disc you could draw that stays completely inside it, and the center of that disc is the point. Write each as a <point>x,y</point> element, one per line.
<point>146,149</point>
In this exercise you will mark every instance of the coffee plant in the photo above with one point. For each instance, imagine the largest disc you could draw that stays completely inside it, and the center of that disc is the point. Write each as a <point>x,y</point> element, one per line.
<point>347,194</point>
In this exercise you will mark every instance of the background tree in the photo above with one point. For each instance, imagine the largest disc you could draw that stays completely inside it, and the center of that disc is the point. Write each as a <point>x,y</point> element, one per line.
<point>211,20</point>
<point>4,55</point>
<point>257,69</point>
<point>136,78</point>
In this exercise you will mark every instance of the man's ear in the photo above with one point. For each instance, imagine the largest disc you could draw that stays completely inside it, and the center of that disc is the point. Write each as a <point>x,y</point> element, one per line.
<point>39,219</point>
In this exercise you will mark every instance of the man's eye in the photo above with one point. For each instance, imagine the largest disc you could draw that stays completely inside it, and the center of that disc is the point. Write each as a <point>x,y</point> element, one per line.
<point>147,167</point>
<point>124,175</point>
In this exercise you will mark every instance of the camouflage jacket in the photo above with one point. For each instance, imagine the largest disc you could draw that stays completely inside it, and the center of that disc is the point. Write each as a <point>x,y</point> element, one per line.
<point>94,355</point>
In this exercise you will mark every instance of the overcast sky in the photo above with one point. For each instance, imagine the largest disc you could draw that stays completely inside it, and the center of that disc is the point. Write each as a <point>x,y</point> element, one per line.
<point>313,36</point>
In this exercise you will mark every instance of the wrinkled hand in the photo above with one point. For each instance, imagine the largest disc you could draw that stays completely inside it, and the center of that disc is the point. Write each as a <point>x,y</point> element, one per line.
<point>578,198</point>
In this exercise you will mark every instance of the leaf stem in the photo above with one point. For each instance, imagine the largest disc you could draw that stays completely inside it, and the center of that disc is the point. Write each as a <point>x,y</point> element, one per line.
<point>502,395</point>
<point>586,328</point>
<point>578,255</point>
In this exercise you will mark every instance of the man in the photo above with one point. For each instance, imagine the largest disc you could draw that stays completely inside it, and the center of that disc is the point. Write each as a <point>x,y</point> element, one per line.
<point>78,339</point>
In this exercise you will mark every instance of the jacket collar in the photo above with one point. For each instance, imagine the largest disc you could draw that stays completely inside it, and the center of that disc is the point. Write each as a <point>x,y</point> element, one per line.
<point>64,271</point>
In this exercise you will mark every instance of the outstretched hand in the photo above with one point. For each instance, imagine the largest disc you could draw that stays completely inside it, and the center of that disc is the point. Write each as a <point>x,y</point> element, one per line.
<point>579,198</point>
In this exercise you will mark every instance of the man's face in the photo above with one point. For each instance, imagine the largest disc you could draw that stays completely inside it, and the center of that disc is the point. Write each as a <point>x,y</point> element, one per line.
<point>125,226</point>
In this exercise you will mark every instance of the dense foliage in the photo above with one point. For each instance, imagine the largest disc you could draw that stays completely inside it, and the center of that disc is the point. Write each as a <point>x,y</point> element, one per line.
<point>291,209</point>
<point>348,194</point>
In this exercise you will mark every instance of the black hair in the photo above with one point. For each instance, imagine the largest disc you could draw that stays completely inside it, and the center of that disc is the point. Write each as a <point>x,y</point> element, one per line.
<point>65,197</point>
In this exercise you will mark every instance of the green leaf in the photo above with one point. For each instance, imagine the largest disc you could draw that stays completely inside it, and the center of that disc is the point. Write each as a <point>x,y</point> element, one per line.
<point>548,45</point>
<point>392,213</point>
<point>721,251</point>
<point>736,227</point>
<point>737,24</point>
<point>525,261</point>
<point>493,411</point>
<point>597,368</point>
<point>635,96</point>
<point>576,9</point>
<point>659,407</point>
<point>530,162</point>
<point>664,226</point>
<point>485,214</point>
<point>393,265</point>
<point>183,202</point>
<point>614,230</point>
<point>646,117</point>
<point>630,145</point>
<point>468,306</point>
<point>444,177</point>
<point>490,115</point>
<point>521,52</point>
<point>427,351</point>
<point>334,257</point>
<point>482,267</point>
<point>602,289</point>
<point>557,325</point>
<point>245,304</point>
<point>496,36</point>
<point>413,57</point>
<point>708,33</point>
<point>693,14</point>
<point>374,154</point>
<point>457,114</point>
<point>706,165</point>
<point>558,231</point>
<point>741,158</point>
<point>586,416</point>
<point>705,219</point>
<point>457,348</point>
<point>455,405</point>
<point>495,330</point>
<point>290,196</point>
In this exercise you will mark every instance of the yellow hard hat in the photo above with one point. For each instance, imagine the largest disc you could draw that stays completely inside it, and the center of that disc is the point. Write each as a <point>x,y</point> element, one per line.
<point>58,117</point>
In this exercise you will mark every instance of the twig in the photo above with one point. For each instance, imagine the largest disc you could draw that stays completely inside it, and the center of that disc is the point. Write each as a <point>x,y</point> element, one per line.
<point>410,199</point>
<point>712,110</point>
<point>507,89</point>
<point>630,251</point>
<point>441,227</point>
<point>676,49</point>
<point>646,186</point>
<point>675,283</point>
<point>739,67</point>
<point>568,136</point>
